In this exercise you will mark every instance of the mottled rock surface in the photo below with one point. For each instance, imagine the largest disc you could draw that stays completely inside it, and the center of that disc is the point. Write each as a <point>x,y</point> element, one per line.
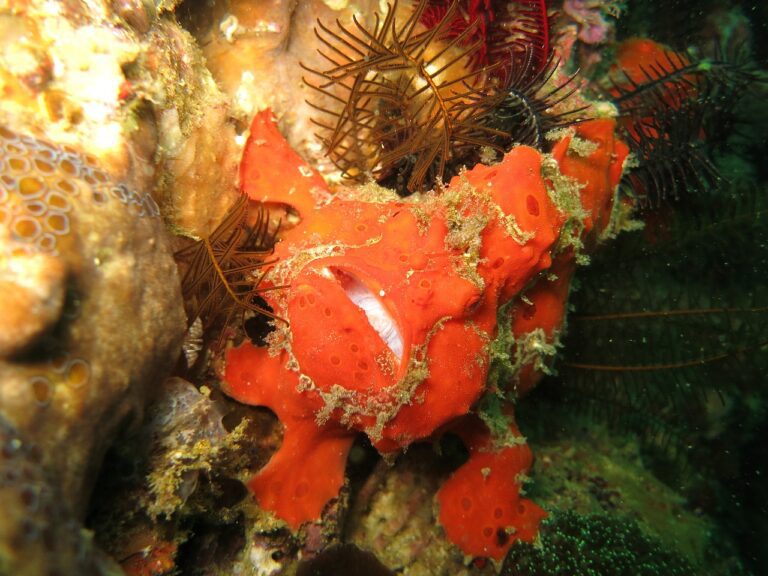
<point>38,532</point>
<point>91,329</point>
<point>118,80</point>
<point>258,51</point>
<point>98,131</point>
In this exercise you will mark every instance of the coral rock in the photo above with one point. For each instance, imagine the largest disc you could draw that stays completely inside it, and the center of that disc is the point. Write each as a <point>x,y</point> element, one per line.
<point>81,367</point>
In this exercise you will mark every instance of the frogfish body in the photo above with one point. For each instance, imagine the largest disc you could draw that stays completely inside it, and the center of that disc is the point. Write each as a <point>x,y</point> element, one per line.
<point>393,307</point>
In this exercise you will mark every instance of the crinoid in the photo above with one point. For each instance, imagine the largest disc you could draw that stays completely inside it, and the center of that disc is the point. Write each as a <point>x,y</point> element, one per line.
<point>223,272</point>
<point>515,33</point>
<point>521,28</point>
<point>672,153</point>
<point>532,106</point>
<point>666,328</point>
<point>405,105</point>
<point>676,110</point>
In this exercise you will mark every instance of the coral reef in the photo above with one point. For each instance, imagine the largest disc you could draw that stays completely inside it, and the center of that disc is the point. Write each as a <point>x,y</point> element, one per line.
<point>361,386</point>
<point>596,474</point>
<point>255,51</point>
<point>123,83</point>
<point>602,473</point>
<point>95,135</point>
<point>164,472</point>
<point>591,18</point>
<point>39,533</point>
<point>394,515</point>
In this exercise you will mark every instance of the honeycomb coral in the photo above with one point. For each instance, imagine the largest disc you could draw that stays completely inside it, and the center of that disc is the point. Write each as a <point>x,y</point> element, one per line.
<point>116,81</point>
<point>76,249</point>
<point>39,184</point>
<point>39,181</point>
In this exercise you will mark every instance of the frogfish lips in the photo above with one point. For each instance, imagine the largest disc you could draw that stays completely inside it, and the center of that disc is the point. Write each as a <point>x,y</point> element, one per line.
<point>345,330</point>
<point>371,304</point>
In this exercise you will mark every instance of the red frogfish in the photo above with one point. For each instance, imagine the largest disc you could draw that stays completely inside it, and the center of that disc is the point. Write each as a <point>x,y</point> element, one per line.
<point>393,310</point>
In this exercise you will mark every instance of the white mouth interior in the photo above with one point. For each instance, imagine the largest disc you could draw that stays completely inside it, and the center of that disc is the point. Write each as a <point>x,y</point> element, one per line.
<point>378,317</point>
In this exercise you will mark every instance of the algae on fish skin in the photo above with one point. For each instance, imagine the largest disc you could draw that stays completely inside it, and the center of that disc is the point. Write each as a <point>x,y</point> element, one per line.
<point>565,193</point>
<point>354,405</point>
<point>509,354</point>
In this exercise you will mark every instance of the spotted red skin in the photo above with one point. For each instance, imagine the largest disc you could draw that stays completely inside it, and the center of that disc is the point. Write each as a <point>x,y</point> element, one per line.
<point>599,174</point>
<point>485,493</point>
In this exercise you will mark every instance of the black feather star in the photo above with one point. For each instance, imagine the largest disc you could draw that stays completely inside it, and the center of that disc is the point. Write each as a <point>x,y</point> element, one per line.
<point>674,118</point>
<point>672,153</point>
<point>667,326</point>
<point>532,106</point>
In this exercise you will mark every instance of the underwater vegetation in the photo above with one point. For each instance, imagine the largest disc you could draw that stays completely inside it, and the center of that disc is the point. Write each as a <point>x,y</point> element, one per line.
<point>506,35</point>
<point>408,103</point>
<point>529,109</point>
<point>677,111</point>
<point>667,341</point>
<point>413,97</point>
<point>223,270</point>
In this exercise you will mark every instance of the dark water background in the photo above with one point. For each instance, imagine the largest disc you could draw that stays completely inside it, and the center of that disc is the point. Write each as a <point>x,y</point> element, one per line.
<point>709,250</point>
